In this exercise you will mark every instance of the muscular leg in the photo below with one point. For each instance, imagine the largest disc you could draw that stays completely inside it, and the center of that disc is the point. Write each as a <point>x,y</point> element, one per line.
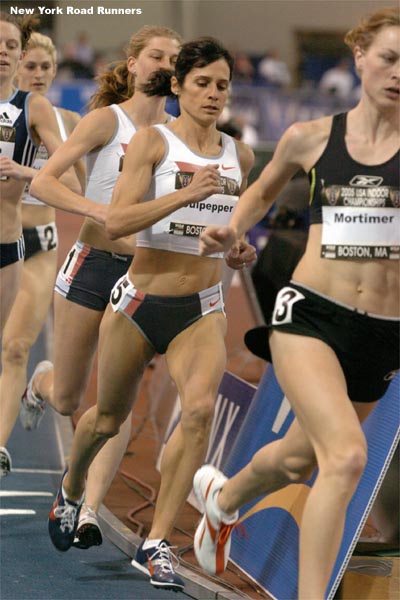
<point>10,278</point>
<point>24,324</point>
<point>288,460</point>
<point>196,360</point>
<point>123,355</point>
<point>105,465</point>
<point>76,330</point>
<point>76,335</point>
<point>331,424</point>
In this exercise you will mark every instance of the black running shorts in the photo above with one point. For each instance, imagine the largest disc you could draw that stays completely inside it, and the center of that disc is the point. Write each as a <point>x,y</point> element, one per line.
<point>88,275</point>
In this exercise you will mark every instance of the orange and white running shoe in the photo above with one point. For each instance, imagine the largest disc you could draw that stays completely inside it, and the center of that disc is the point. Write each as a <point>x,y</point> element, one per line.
<point>212,540</point>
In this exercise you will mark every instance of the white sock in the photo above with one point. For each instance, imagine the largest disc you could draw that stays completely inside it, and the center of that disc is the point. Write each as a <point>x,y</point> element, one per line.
<point>80,501</point>
<point>222,515</point>
<point>150,543</point>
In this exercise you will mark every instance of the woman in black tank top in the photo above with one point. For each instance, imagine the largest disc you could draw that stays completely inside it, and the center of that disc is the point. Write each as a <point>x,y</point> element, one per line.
<point>334,335</point>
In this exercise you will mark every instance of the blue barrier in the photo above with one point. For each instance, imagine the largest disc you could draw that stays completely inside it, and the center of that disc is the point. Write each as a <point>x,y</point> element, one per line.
<point>75,95</point>
<point>269,111</point>
<point>269,552</point>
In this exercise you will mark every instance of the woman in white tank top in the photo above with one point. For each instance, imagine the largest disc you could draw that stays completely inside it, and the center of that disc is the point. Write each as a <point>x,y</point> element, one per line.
<point>176,178</point>
<point>95,263</point>
<point>31,306</point>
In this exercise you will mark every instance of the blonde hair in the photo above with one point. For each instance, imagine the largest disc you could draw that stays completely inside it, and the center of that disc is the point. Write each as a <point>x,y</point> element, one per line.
<point>364,34</point>
<point>117,84</point>
<point>38,40</point>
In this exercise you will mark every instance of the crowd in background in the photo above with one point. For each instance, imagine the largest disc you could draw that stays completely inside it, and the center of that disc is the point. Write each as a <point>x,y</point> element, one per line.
<point>334,76</point>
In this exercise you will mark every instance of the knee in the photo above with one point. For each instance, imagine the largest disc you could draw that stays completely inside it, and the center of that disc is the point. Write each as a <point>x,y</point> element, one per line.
<point>67,396</point>
<point>66,403</point>
<point>197,417</point>
<point>107,426</point>
<point>347,463</point>
<point>15,352</point>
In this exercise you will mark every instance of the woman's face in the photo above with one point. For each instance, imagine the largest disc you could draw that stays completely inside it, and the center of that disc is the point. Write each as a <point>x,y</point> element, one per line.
<point>159,53</point>
<point>204,91</point>
<point>36,71</point>
<point>379,67</point>
<point>10,50</point>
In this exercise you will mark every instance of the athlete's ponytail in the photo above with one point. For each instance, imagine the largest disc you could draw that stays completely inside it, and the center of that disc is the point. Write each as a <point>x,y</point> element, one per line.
<point>159,84</point>
<point>116,84</point>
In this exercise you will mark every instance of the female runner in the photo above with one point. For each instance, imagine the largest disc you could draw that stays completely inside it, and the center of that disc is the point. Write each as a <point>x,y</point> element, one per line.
<point>335,329</point>
<point>28,314</point>
<point>121,107</point>
<point>176,179</point>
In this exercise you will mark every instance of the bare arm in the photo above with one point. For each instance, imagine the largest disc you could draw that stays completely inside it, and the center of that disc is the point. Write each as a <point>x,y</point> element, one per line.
<point>71,120</point>
<point>92,131</point>
<point>242,253</point>
<point>44,128</point>
<point>259,197</point>
<point>127,213</point>
<point>10,168</point>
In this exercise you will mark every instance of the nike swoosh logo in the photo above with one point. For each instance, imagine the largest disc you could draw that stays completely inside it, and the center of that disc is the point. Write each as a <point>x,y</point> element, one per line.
<point>214,303</point>
<point>226,168</point>
<point>150,565</point>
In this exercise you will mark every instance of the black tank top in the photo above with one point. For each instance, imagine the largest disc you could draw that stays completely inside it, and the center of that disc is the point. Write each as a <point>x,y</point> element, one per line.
<point>15,140</point>
<point>354,201</point>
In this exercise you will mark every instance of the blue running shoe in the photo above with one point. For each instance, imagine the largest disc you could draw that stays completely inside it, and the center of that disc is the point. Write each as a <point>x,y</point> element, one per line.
<point>159,561</point>
<point>63,519</point>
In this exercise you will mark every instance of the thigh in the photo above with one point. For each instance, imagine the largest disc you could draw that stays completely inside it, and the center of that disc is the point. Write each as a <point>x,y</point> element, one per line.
<point>122,358</point>
<point>10,277</point>
<point>196,357</point>
<point>76,330</point>
<point>33,300</point>
<point>311,377</point>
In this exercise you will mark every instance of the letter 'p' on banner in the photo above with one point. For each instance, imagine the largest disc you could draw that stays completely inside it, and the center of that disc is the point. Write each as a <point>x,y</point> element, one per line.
<point>268,553</point>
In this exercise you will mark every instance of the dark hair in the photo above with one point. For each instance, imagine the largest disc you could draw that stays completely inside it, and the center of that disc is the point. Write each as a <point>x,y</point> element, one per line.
<point>200,53</point>
<point>196,54</point>
<point>159,83</point>
<point>116,84</point>
<point>25,25</point>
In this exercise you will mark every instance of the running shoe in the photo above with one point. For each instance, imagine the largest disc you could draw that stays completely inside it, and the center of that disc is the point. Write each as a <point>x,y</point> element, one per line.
<point>212,540</point>
<point>32,406</point>
<point>63,519</point>
<point>159,562</point>
<point>88,533</point>
<point>5,462</point>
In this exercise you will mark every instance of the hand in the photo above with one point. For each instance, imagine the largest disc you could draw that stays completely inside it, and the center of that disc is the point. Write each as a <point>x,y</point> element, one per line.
<point>241,255</point>
<point>99,213</point>
<point>206,182</point>
<point>216,238</point>
<point>10,168</point>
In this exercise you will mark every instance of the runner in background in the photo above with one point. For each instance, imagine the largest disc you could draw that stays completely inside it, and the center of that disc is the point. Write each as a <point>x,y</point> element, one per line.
<point>31,306</point>
<point>94,264</point>
<point>27,120</point>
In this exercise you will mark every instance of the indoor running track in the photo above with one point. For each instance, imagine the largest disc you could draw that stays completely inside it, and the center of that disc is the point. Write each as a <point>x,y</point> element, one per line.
<point>31,568</point>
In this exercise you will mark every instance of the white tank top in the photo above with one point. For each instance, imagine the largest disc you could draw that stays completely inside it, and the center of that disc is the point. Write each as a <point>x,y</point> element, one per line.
<point>179,231</point>
<point>103,166</point>
<point>41,158</point>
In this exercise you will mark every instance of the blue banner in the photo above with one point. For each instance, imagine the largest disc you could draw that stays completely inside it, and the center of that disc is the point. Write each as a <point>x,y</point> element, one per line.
<point>269,552</point>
